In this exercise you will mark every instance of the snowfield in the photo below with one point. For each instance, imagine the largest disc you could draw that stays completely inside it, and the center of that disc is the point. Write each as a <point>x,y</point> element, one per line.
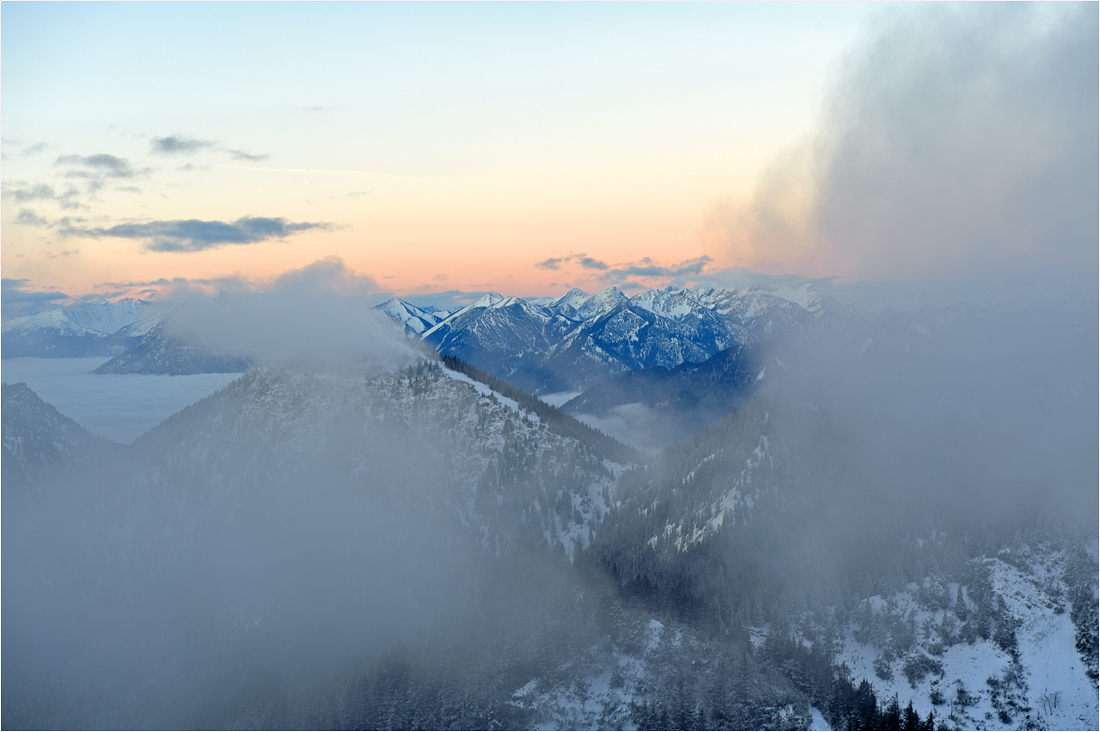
<point>1054,682</point>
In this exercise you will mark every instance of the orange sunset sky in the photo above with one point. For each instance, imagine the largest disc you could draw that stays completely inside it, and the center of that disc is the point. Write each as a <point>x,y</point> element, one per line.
<point>523,148</point>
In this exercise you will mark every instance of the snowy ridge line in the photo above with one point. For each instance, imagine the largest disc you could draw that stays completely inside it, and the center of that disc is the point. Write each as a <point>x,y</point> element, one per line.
<point>558,421</point>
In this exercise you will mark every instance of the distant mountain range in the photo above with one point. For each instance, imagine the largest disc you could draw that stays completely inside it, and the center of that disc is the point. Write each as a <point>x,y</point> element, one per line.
<point>570,343</point>
<point>99,328</point>
<point>542,345</point>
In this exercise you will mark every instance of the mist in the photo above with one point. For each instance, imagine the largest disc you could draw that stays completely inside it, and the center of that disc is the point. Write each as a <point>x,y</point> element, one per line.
<point>270,544</point>
<point>187,574</point>
<point>954,142</point>
<point>953,180</point>
<point>321,311</point>
<point>360,533</point>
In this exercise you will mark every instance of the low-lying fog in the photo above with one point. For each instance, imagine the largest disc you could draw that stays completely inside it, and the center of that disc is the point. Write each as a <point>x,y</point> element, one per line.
<point>119,407</point>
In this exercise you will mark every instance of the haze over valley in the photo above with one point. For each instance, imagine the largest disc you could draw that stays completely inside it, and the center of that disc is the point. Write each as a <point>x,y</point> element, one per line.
<point>627,389</point>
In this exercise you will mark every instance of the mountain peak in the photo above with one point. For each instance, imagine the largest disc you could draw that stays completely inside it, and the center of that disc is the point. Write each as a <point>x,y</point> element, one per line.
<point>574,298</point>
<point>487,300</point>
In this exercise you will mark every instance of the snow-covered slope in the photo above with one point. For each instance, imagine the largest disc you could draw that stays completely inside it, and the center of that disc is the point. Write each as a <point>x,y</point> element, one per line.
<point>413,319</point>
<point>506,476</point>
<point>1025,674</point>
<point>38,441</point>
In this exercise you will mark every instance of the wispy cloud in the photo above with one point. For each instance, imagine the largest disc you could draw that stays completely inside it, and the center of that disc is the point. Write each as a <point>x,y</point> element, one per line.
<point>582,260</point>
<point>247,156</point>
<point>229,284</point>
<point>23,193</point>
<point>194,235</point>
<point>179,145</point>
<point>320,171</point>
<point>26,149</point>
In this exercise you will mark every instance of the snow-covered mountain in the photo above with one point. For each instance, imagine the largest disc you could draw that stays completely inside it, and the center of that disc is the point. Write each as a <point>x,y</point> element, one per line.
<point>576,340</point>
<point>89,329</point>
<point>503,469</point>
<point>39,441</point>
<point>780,313</point>
<point>163,351</point>
<point>412,319</point>
<point>509,337</point>
<point>546,345</point>
<point>304,507</point>
<point>676,403</point>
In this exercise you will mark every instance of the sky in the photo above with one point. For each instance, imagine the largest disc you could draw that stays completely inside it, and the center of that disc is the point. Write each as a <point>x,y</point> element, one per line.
<point>528,148</point>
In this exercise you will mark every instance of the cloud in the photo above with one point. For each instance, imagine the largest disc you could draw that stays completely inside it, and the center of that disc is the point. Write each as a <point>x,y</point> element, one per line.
<point>647,268</point>
<point>190,167</point>
<point>44,192</point>
<point>27,217</point>
<point>193,235</point>
<point>250,157</point>
<point>231,283</point>
<point>16,300</point>
<point>97,166</point>
<point>584,261</point>
<point>590,263</point>
<point>178,145</point>
<point>40,192</point>
<point>958,140</point>
<point>736,278</point>
<point>551,263</point>
<point>26,149</point>
<point>329,274</point>
<point>320,311</point>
